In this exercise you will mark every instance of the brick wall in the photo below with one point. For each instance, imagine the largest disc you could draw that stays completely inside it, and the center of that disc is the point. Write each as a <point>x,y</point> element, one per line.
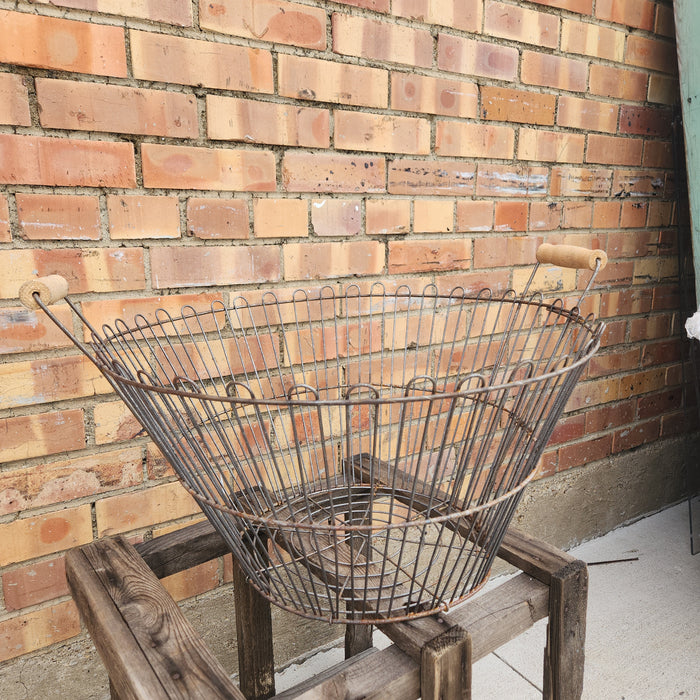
<point>309,141</point>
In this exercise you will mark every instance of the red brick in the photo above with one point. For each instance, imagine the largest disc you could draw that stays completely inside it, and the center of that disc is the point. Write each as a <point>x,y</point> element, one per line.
<point>552,146</point>
<point>567,429</point>
<point>618,82</point>
<point>421,93</point>
<point>460,55</point>
<point>590,450</point>
<point>199,168</point>
<point>36,160</point>
<point>5,232</point>
<point>606,417</point>
<point>420,177</point>
<point>586,114</point>
<point>193,581</point>
<point>634,214</point>
<point>433,215</point>
<point>577,214</point>
<point>360,131</point>
<point>428,255</point>
<point>58,217</point>
<point>458,14</point>
<point>213,265</point>
<point>178,12</point>
<point>60,44</point>
<point>217,218</point>
<point>584,7</point>
<point>306,78</point>
<point>545,216</point>
<point>473,282</point>
<point>171,59</point>
<point>381,41</point>
<point>474,215</point>
<point>522,25</point>
<point>637,183</point>
<point>504,104</point>
<point>321,172</point>
<point>387,216</point>
<point>643,382</point>
<point>22,330</point>
<point>665,22</point>
<point>139,216</point>
<point>267,20</point>
<point>505,252</point>
<point>606,214</point>
<point>336,217</point>
<point>603,364</point>
<point>654,54</point>
<point>660,214</point>
<point>663,89</point>
<point>23,437</point>
<point>657,326</point>
<point>645,121</point>
<point>326,260</point>
<point>511,216</point>
<point>658,404</point>
<point>511,181</point>
<point>578,182</point>
<point>457,138</point>
<point>37,583</point>
<point>624,303</point>
<point>234,119</point>
<point>639,14</point>
<point>275,218</point>
<point>14,100</point>
<point>639,434</point>
<point>592,40</point>
<point>614,150</point>
<point>553,71</point>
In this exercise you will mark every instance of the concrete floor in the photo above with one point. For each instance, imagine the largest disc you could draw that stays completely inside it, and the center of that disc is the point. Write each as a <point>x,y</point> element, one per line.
<point>643,624</point>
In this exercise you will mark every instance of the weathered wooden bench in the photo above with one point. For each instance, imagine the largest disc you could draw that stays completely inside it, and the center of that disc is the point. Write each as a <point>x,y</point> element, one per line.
<point>152,652</point>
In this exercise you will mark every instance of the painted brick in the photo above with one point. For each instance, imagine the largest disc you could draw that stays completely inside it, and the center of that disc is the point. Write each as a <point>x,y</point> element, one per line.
<point>553,146</point>
<point>387,216</point>
<point>199,168</point>
<point>23,437</point>
<point>37,160</point>
<point>618,82</point>
<point>466,140</point>
<point>193,581</point>
<point>336,217</point>
<point>645,121</point>
<point>27,538</point>
<point>654,54</point>
<point>460,14</point>
<point>421,93</point>
<point>577,214</point>
<point>460,55</point>
<point>504,104</point>
<point>580,182</point>
<point>614,150</point>
<point>586,114</point>
<point>584,7</point>
<point>511,216</point>
<point>213,265</point>
<point>267,20</point>
<point>428,255</point>
<point>327,260</point>
<point>171,59</point>
<point>37,629</point>
<point>511,181</point>
<point>384,133</point>
<point>638,183</point>
<point>640,13</point>
<point>37,583</point>
<point>178,12</point>
<point>606,214</point>
<point>22,330</point>
<point>14,100</point>
<point>553,71</point>
<point>141,216</point>
<point>231,118</point>
<point>5,232</point>
<point>433,215</point>
<point>217,218</point>
<point>321,172</point>
<point>592,40</point>
<point>665,22</point>
<point>381,41</point>
<point>307,78</point>
<point>474,215</point>
<point>138,509</point>
<point>545,216</point>
<point>57,482</point>
<point>634,214</point>
<point>54,217</point>
<point>513,250</point>
<point>420,177</point>
<point>61,44</point>
<point>522,25</point>
<point>663,89</point>
<point>280,218</point>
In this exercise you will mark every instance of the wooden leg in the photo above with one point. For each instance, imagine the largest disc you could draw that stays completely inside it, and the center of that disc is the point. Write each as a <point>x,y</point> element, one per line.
<point>357,638</point>
<point>566,633</point>
<point>446,666</point>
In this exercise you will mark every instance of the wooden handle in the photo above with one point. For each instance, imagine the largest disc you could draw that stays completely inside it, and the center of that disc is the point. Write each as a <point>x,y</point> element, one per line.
<point>571,256</point>
<point>50,290</point>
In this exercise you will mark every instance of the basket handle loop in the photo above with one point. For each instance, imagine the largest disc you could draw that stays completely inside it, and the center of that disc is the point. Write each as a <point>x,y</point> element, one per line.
<point>50,289</point>
<point>571,256</point>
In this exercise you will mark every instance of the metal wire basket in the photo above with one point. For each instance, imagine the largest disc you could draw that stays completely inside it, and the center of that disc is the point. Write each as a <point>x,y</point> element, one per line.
<point>362,452</point>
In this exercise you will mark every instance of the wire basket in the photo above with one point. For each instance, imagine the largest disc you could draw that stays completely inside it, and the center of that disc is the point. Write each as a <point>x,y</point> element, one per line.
<point>362,452</point>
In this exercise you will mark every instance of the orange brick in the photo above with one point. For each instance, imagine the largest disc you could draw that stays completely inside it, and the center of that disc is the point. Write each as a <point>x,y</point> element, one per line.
<point>177,12</point>
<point>357,131</point>
<point>637,183</point>
<point>193,581</point>
<point>274,218</point>
<point>474,282</point>
<point>52,217</point>
<point>554,71</point>
<point>614,150</point>
<point>428,255</point>
<point>606,214</point>
<point>474,215</point>
<point>511,181</point>
<point>645,121</point>
<point>387,216</point>
<point>663,89</point>
<point>553,146</point>
<point>199,168</point>
<point>639,14</point>
<point>634,214</point>
<point>307,78</point>
<point>660,214</point>
<point>511,216</point>
<point>114,423</point>
<point>433,215</point>
<point>327,260</point>
<point>643,382</point>
<point>36,160</point>
<point>421,93</point>
<point>592,40</point>
<point>37,583</point>
<point>586,114</point>
<point>504,104</point>
<point>545,216</point>
<point>505,252</point>
<point>624,303</point>
<point>22,330</point>
<point>5,232</point>
<point>204,266</point>
<point>66,480</point>
<point>61,44</point>
<point>171,59</point>
<point>580,182</point>
<point>457,138</point>
<point>24,437</point>
<point>431,177</point>
<point>584,7</point>
<point>522,25</point>
<point>594,393</point>
<point>618,82</point>
<point>234,119</point>
<point>336,217</point>
<point>381,41</point>
<point>267,20</point>
<point>665,22</point>
<point>577,214</point>
<point>14,100</point>
<point>460,55</point>
<point>658,326</point>
<point>321,172</point>
<point>37,629</point>
<point>217,218</point>
<point>459,14</point>
<point>138,216</point>
<point>139,509</point>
